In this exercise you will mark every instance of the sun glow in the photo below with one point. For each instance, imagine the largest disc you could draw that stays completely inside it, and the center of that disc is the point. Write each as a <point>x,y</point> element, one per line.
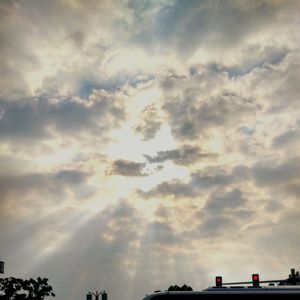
<point>129,145</point>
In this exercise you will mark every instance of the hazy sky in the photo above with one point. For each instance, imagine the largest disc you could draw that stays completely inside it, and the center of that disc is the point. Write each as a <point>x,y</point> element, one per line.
<point>146,143</point>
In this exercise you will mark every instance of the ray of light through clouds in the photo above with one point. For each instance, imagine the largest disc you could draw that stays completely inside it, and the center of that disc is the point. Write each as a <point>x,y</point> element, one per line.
<point>148,143</point>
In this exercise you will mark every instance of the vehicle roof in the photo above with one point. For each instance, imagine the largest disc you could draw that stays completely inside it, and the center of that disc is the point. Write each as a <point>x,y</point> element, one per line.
<point>231,290</point>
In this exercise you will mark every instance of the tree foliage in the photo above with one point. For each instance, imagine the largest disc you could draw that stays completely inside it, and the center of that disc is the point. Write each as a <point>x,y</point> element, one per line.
<point>178,288</point>
<point>20,289</point>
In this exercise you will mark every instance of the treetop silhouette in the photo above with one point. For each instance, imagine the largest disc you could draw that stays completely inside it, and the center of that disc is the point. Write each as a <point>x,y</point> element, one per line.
<point>20,289</point>
<point>178,288</point>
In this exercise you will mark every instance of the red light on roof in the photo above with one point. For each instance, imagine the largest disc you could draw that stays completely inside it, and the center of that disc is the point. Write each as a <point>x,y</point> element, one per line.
<point>218,280</point>
<point>255,277</point>
<point>255,280</point>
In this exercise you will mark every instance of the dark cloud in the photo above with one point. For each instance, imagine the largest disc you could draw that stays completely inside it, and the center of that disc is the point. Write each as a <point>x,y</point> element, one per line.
<point>285,92</point>
<point>34,119</point>
<point>223,213</point>
<point>286,139</point>
<point>217,204</point>
<point>188,25</point>
<point>148,128</point>
<point>185,155</point>
<point>78,38</point>
<point>163,212</point>
<point>127,168</point>
<point>22,121</point>
<point>274,206</point>
<point>215,226</point>
<point>192,117</point>
<point>70,177</point>
<point>45,185</point>
<point>200,182</point>
<point>199,79</point>
<point>149,124</point>
<point>276,173</point>
<point>254,57</point>
<point>174,188</point>
<point>279,176</point>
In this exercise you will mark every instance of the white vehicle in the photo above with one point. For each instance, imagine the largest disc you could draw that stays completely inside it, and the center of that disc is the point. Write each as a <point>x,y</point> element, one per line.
<point>286,289</point>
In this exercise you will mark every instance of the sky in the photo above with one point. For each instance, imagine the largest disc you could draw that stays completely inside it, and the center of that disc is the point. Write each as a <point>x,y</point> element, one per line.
<point>149,143</point>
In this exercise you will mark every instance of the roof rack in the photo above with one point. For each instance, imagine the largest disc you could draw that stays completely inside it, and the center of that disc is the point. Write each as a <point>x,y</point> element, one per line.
<point>293,279</point>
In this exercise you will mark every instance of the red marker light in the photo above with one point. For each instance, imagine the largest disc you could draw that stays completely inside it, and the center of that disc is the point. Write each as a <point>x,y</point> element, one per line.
<point>218,281</point>
<point>255,280</point>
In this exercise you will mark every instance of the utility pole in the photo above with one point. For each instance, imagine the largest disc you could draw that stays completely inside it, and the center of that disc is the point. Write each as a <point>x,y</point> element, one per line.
<point>89,296</point>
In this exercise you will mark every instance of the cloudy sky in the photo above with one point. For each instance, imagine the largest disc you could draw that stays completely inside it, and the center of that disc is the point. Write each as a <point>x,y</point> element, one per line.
<point>149,143</point>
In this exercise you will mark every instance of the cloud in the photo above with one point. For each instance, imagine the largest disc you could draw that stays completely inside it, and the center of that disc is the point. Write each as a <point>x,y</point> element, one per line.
<point>285,93</point>
<point>35,119</point>
<point>216,226</point>
<point>71,177</point>
<point>286,139</point>
<point>16,57</point>
<point>148,129</point>
<point>280,234</point>
<point>223,214</point>
<point>207,91</point>
<point>275,173</point>
<point>48,183</point>
<point>127,168</point>
<point>12,165</point>
<point>173,188</point>
<point>164,234</point>
<point>191,118</point>
<point>150,123</point>
<point>208,25</point>
<point>253,57</point>
<point>217,204</point>
<point>23,196</point>
<point>109,241</point>
<point>200,182</point>
<point>279,176</point>
<point>52,45</point>
<point>274,85</point>
<point>185,155</point>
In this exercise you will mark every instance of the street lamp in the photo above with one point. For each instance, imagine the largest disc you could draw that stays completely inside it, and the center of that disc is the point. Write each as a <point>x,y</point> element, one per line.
<point>89,296</point>
<point>1,267</point>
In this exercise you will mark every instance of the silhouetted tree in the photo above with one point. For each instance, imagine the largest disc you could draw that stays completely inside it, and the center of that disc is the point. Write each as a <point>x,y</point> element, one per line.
<point>178,288</point>
<point>20,289</point>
